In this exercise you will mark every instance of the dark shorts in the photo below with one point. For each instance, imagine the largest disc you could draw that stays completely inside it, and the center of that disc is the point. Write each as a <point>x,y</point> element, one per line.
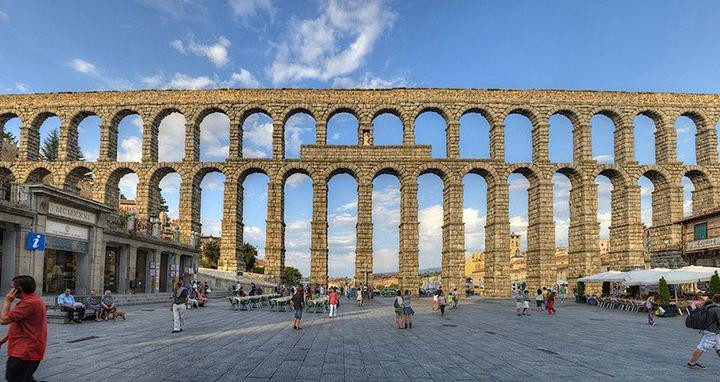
<point>538,303</point>
<point>20,370</point>
<point>298,314</point>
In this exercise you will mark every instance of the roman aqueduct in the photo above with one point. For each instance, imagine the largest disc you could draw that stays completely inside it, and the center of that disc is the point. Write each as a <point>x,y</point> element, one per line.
<point>365,161</point>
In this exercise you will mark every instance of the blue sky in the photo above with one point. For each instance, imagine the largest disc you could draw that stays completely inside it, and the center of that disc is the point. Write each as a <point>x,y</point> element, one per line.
<point>672,46</point>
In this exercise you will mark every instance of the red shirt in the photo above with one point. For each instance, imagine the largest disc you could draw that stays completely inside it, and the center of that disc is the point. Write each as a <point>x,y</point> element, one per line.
<point>27,335</point>
<point>333,298</point>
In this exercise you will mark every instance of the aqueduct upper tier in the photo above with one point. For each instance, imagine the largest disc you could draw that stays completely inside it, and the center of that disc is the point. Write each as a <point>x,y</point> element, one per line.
<point>364,161</point>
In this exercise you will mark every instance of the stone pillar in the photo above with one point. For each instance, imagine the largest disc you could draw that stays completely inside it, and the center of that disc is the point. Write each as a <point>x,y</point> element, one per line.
<point>624,148</point>
<point>152,285</point>
<point>108,143</point>
<point>192,139</point>
<point>29,137</point>
<point>409,265</point>
<point>236,137</point>
<point>67,149</point>
<point>497,141</point>
<point>132,266</point>
<point>665,152</point>
<point>231,240</point>
<point>584,231</point>
<point>143,198</point>
<point>9,253</point>
<point>541,269</point>
<point>91,266</point>
<point>122,269</point>
<point>321,133</point>
<point>497,250</point>
<point>667,203</point>
<point>408,131</point>
<point>278,140</point>
<point>452,139</point>
<point>275,232</point>
<point>319,238</point>
<point>150,141</point>
<point>365,133</point>
<point>540,141</point>
<point>189,207</point>
<point>364,232</point>
<point>625,249</point>
<point>705,146</point>
<point>453,253</point>
<point>582,142</point>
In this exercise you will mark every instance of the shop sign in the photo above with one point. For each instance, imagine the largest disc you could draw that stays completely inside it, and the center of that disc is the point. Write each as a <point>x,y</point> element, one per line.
<point>65,244</point>
<point>697,245</point>
<point>58,228</point>
<point>71,213</point>
<point>35,241</point>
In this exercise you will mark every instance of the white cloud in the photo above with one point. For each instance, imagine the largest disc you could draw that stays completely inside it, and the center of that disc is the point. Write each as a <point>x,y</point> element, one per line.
<point>294,128</point>
<point>245,9</point>
<point>519,184</point>
<point>259,136</point>
<point>349,206</point>
<point>171,138</point>
<point>244,78</point>
<point>217,53</point>
<point>211,227</point>
<point>215,137</point>
<point>474,230</point>
<point>4,16</point>
<point>368,81</point>
<point>518,225</point>
<point>604,158</point>
<point>334,44</point>
<point>296,179</point>
<point>82,66</point>
<point>182,81</point>
<point>128,185</point>
<point>130,149</point>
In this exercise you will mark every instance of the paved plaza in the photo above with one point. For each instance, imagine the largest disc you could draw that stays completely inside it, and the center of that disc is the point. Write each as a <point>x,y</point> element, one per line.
<point>482,340</point>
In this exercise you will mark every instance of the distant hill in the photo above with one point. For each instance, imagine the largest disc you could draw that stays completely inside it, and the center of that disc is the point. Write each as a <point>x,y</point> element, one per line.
<point>422,271</point>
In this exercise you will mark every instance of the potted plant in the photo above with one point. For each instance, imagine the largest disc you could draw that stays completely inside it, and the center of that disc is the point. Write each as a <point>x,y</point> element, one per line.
<point>664,299</point>
<point>580,292</point>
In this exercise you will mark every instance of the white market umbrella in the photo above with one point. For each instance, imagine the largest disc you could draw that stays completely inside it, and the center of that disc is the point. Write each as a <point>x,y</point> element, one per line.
<point>644,276</point>
<point>604,276</point>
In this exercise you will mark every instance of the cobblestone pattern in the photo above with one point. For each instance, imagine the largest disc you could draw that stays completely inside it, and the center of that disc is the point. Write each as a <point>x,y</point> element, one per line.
<point>365,161</point>
<point>479,341</point>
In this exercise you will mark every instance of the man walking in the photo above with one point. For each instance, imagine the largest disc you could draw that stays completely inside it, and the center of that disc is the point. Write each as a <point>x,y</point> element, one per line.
<point>333,301</point>
<point>27,335</point>
<point>179,301</point>
<point>710,336</point>
<point>298,304</point>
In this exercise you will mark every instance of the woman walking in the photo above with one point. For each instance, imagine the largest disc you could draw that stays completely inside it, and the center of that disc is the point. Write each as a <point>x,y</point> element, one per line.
<point>399,311</point>
<point>359,297</point>
<point>649,303</point>
<point>539,301</point>
<point>526,303</point>
<point>441,302</point>
<point>436,301</point>
<point>408,310</point>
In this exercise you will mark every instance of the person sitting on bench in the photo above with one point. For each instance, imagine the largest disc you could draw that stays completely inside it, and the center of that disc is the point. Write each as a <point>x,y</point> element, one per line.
<point>67,303</point>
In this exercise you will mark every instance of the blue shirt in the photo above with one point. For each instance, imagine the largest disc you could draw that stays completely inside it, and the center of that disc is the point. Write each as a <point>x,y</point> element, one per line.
<point>66,300</point>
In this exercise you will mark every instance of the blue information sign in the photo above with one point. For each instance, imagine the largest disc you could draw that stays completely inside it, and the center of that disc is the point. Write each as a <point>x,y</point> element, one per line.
<point>35,241</point>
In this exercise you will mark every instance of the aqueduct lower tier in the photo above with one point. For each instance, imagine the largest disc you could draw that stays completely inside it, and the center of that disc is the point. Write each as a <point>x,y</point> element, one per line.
<point>365,161</point>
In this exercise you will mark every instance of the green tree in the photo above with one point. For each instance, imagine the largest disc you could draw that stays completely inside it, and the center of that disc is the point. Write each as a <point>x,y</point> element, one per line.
<point>714,284</point>
<point>258,270</point>
<point>249,254</point>
<point>210,254</point>
<point>9,135</point>
<point>50,146</point>
<point>664,291</point>
<point>292,275</point>
<point>163,204</point>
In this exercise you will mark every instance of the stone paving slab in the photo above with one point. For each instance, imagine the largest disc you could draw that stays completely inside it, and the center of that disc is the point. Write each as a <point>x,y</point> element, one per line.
<point>482,340</point>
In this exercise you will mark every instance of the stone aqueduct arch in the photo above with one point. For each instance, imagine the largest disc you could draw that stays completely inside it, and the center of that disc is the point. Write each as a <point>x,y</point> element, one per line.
<point>365,161</point>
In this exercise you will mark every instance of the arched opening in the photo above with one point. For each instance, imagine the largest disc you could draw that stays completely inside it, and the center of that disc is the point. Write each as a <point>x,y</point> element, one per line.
<point>254,210</point>
<point>299,130</point>
<point>561,208</point>
<point>430,216</point>
<point>518,139</point>
<point>257,141</point>
<point>214,137</point>
<point>342,129</point>
<point>604,217</point>
<point>40,175</point>
<point>560,144</point>
<point>688,189</point>
<point>129,138</point>
<point>49,132</point>
<point>80,181</point>
<point>685,131</point>
<point>603,138</point>
<point>88,137</point>
<point>121,190</point>
<point>474,219</point>
<point>518,215</point>
<point>646,202</point>
<point>342,218</point>
<point>298,217</point>
<point>387,130</point>
<point>168,209</point>
<point>430,130</point>
<point>644,137</point>
<point>171,138</point>
<point>10,125</point>
<point>474,136</point>
<point>386,222</point>
<point>212,191</point>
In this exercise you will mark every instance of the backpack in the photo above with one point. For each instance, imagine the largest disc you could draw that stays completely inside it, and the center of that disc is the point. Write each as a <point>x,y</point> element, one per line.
<point>700,318</point>
<point>180,299</point>
<point>396,303</point>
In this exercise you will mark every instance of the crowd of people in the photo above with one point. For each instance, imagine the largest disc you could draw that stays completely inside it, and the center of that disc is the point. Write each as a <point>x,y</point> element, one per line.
<point>544,299</point>
<point>103,307</point>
